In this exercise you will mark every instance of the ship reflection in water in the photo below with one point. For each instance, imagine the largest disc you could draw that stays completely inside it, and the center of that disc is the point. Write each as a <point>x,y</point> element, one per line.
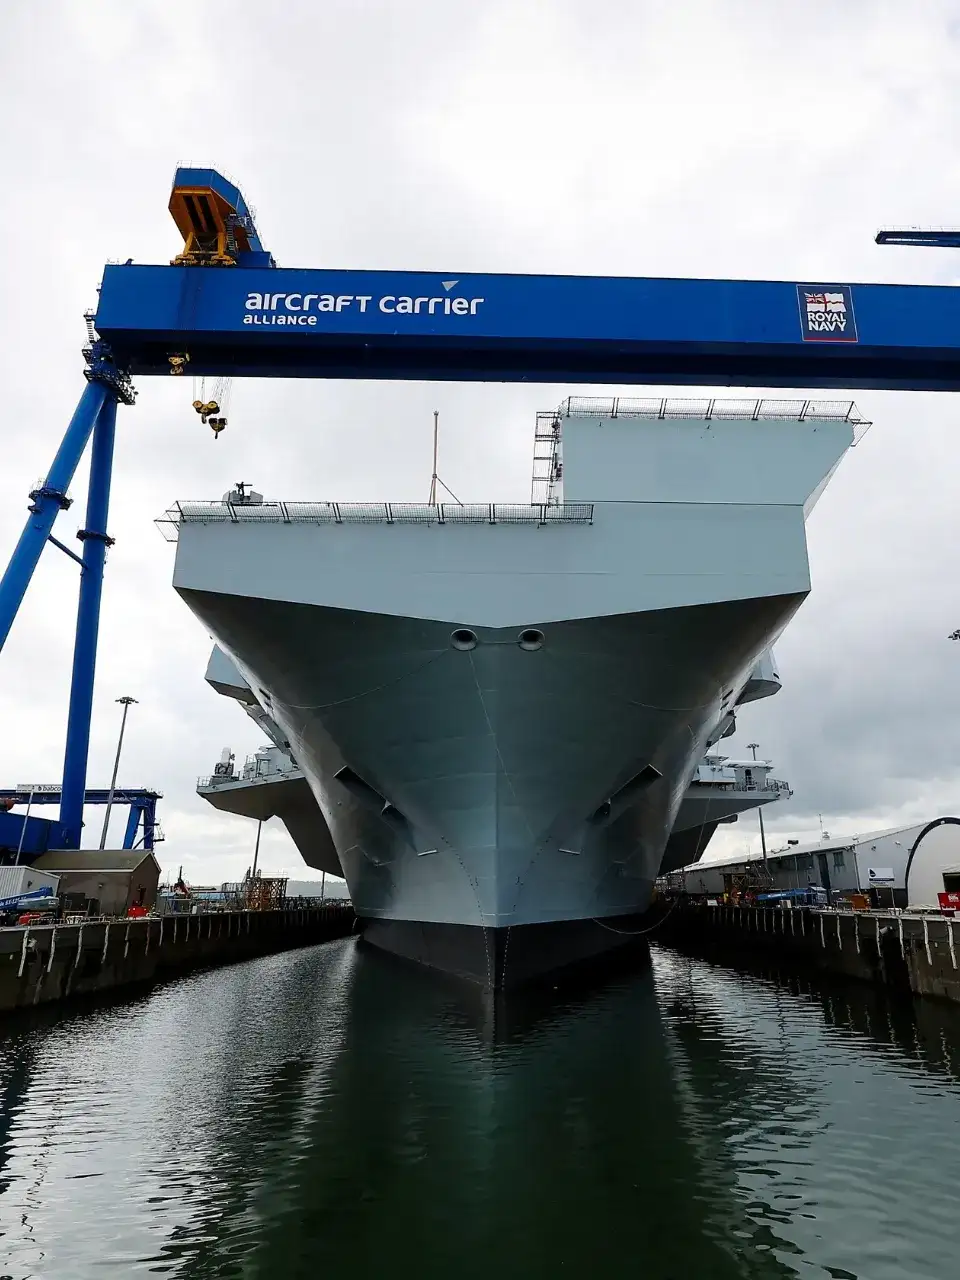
<point>328,1112</point>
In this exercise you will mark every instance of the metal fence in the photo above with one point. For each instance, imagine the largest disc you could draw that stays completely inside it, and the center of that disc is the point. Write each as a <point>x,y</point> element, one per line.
<point>772,786</point>
<point>210,782</point>
<point>708,408</point>
<point>547,475</point>
<point>539,514</point>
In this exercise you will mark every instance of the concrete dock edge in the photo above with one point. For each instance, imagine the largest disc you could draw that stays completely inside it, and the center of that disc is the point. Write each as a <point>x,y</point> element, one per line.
<point>44,963</point>
<point>920,954</point>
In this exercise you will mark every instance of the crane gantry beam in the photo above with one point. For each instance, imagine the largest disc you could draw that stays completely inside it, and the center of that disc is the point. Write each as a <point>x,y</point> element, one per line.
<point>284,322</point>
<point>223,308</point>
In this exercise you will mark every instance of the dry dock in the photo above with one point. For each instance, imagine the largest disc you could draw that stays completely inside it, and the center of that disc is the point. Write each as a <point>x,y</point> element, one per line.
<point>43,963</point>
<point>906,952</point>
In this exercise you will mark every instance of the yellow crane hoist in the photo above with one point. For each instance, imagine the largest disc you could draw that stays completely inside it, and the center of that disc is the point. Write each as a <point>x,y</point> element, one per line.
<point>212,409</point>
<point>218,231</point>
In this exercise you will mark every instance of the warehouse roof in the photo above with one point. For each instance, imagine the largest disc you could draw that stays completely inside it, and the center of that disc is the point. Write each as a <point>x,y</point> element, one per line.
<point>830,845</point>
<point>103,862</point>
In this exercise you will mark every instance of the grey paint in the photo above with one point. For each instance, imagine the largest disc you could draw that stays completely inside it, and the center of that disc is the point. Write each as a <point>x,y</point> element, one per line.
<point>287,796</point>
<point>649,555</point>
<point>223,675</point>
<point>497,757</point>
<point>475,775</point>
<point>289,799</point>
<point>697,461</point>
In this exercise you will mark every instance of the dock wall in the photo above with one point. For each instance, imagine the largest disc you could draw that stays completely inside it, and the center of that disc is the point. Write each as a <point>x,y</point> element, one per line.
<point>907,953</point>
<point>44,963</point>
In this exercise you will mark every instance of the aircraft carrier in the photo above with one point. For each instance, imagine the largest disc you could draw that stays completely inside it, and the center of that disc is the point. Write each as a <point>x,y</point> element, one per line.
<point>499,713</point>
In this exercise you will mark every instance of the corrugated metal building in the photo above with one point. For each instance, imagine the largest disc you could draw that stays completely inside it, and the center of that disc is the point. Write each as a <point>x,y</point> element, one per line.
<point>901,867</point>
<point>108,882</point>
<point>25,879</point>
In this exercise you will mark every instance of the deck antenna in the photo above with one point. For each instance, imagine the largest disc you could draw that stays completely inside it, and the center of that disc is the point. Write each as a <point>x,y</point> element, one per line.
<point>435,479</point>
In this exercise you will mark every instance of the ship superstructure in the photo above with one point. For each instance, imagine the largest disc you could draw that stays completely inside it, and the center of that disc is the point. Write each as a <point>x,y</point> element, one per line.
<point>499,713</point>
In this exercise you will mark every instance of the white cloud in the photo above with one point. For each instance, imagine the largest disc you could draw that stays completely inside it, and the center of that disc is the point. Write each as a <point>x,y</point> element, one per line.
<point>721,138</point>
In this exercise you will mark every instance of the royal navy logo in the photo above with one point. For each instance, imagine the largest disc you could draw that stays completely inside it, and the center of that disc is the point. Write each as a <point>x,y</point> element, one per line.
<point>826,313</point>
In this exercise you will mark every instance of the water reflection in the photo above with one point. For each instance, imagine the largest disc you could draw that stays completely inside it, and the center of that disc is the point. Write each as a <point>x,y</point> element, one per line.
<point>332,1111</point>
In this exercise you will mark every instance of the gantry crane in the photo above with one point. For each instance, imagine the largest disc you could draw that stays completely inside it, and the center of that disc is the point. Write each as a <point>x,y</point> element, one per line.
<point>223,309</point>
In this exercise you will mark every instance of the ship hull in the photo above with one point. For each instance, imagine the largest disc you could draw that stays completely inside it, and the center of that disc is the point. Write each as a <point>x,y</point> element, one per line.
<point>494,789</point>
<point>503,959</point>
<point>499,710</point>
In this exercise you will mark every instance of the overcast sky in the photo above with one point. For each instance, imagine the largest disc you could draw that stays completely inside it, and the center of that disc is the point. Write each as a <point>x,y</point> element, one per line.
<point>632,137</point>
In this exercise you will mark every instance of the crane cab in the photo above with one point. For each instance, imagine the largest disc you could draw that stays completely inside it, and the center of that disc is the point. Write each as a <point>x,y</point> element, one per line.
<point>217,227</point>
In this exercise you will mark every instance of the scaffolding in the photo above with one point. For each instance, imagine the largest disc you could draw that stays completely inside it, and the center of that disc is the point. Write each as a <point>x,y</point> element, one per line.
<point>745,885</point>
<point>263,893</point>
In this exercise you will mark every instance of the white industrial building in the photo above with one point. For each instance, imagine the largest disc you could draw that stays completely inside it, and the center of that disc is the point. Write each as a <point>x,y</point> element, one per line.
<point>902,867</point>
<point>18,880</point>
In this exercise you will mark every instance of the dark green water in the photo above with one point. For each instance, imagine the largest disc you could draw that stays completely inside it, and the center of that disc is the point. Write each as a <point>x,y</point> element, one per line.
<point>329,1113</point>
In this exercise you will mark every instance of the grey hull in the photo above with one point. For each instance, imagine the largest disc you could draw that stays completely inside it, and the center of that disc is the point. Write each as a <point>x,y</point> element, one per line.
<point>472,784</point>
<point>496,787</point>
<point>502,959</point>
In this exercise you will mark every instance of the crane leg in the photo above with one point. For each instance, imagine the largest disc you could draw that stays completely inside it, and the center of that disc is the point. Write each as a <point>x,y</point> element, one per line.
<point>95,543</point>
<point>149,822</point>
<point>48,502</point>
<point>133,822</point>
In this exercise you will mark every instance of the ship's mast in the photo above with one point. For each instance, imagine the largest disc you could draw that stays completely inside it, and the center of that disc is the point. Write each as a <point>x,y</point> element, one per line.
<point>433,479</point>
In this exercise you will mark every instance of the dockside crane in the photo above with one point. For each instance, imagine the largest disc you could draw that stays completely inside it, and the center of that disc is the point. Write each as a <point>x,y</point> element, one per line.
<point>215,221</point>
<point>218,230</point>
<point>922,237</point>
<point>223,309</point>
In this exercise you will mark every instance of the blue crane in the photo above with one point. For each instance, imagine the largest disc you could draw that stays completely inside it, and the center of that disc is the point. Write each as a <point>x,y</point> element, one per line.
<point>282,322</point>
<point>142,812</point>
<point>223,309</point>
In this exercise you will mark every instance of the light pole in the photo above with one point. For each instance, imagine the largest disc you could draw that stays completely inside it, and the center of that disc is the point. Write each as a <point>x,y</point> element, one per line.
<point>23,829</point>
<point>752,746</point>
<point>126,702</point>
